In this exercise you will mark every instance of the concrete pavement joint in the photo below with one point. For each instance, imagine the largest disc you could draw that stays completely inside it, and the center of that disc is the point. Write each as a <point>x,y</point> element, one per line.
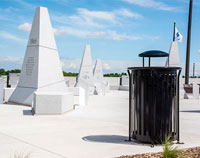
<point>33,145</point>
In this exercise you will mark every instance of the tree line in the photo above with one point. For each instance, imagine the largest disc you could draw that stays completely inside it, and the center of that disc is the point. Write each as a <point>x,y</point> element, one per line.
<point>4,72</point>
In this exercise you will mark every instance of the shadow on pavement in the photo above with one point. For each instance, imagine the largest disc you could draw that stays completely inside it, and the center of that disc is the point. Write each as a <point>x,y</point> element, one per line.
<point>27,112</point>
<point>116,139</point>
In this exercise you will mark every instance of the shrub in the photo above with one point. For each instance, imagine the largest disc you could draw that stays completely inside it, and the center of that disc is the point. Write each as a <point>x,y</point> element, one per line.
<point>169,151</point>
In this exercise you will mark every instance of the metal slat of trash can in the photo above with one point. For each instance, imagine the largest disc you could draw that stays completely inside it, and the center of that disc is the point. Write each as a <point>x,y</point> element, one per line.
<point>153,101</point>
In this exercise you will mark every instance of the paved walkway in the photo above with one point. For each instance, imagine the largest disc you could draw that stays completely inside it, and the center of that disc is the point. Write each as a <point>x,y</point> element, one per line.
<point>95,131</point>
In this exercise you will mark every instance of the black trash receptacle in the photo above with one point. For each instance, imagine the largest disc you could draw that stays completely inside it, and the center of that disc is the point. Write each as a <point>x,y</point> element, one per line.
<point>153,101</point>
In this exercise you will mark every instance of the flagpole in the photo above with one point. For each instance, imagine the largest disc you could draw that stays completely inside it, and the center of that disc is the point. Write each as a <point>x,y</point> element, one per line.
<point>193,69</point>
<point>174,31</point>
<point>187,64</point>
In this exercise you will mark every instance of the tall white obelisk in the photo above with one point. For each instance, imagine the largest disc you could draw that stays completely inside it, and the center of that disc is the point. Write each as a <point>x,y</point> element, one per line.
<point>85,78</point>
<point>174,59</point>
<point>98,73</point>
<point>99,82</point>
<point>85,75</point>
<point>41,69</point>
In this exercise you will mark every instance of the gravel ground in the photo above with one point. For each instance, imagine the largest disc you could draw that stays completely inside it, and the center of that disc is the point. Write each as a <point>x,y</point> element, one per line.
<point>188,153</point>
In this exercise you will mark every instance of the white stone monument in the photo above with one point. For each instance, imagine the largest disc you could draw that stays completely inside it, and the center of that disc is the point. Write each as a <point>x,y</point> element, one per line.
<point>85,75</point>
<point>41,69</point>
<point>85,78</point>
<point>99,82</point>
<point>98,72</point>
<point>174,59</point>
<point>195,91</point>
<point>13,79</point>
<point>1,89</point>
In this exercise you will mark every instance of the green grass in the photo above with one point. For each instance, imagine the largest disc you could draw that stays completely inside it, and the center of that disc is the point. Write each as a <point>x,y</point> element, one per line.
<point>170,151</point>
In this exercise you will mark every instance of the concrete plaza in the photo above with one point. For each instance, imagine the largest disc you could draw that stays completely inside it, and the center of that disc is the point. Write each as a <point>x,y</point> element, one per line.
<point>95,131</point>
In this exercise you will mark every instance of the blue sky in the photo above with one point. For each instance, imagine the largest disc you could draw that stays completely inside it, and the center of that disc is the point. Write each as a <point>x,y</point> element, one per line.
<point>117,30</point>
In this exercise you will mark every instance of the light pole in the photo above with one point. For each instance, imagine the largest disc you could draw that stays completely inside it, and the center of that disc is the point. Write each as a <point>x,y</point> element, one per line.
<point>187,64</point>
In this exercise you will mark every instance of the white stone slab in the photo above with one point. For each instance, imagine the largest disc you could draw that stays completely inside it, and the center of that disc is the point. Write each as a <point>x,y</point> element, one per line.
<point>1,89</point>
<point>7,93</point>
<point>124,80</point>
<point>52,102</point>
<point>82,97</point>
<point>41,68</point>
<point>195,91</point>
<point>13,79</point>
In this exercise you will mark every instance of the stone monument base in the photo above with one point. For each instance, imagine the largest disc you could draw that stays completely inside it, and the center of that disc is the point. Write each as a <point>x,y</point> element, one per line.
<point>52,102</point>
<point>7,93</point>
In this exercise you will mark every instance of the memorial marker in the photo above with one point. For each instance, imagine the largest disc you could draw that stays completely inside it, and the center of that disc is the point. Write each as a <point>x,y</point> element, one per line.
<point>85,78</point>
<point>98,78</point>
<point>85,75</point>
<point>41,69</point>
<point>98,73</point>
<point>174,59</point>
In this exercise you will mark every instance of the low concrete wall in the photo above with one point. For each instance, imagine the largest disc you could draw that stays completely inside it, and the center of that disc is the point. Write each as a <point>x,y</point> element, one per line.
<point>113,81</point>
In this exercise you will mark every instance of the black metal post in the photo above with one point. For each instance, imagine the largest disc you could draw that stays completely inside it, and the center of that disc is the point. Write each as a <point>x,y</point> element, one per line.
<point>130,102</point>
<point>187,64</point>
<point>143,61</point>
<point>7,82</point>
<point>178,130</point>
<point>149,61</point>
<point>174,31</point>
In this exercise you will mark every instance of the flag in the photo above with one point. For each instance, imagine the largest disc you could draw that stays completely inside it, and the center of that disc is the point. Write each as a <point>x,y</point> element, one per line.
<point>178,35</point>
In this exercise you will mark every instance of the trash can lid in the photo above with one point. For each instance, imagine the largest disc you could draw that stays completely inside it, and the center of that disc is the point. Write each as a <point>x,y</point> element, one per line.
<point>154,53</point>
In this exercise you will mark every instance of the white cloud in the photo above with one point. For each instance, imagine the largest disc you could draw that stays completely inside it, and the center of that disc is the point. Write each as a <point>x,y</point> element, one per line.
<point>128,13</point>
<point>155,38</point>
<point>95,19</point>
<point>78,32</point>
<point>86,18</point>
<point>10,62</point>
<point>115,36</point>
<point>96,14</point>
<point>106,66</point>
<point>84,21</point>
<point>7,35</point>
<point>95,34</point>
<point>25,4</point>
<point>58,31</point>
<point>70,64</point>
<point>25,27</point>
<point>10,59</point>
<point>152,4</point>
